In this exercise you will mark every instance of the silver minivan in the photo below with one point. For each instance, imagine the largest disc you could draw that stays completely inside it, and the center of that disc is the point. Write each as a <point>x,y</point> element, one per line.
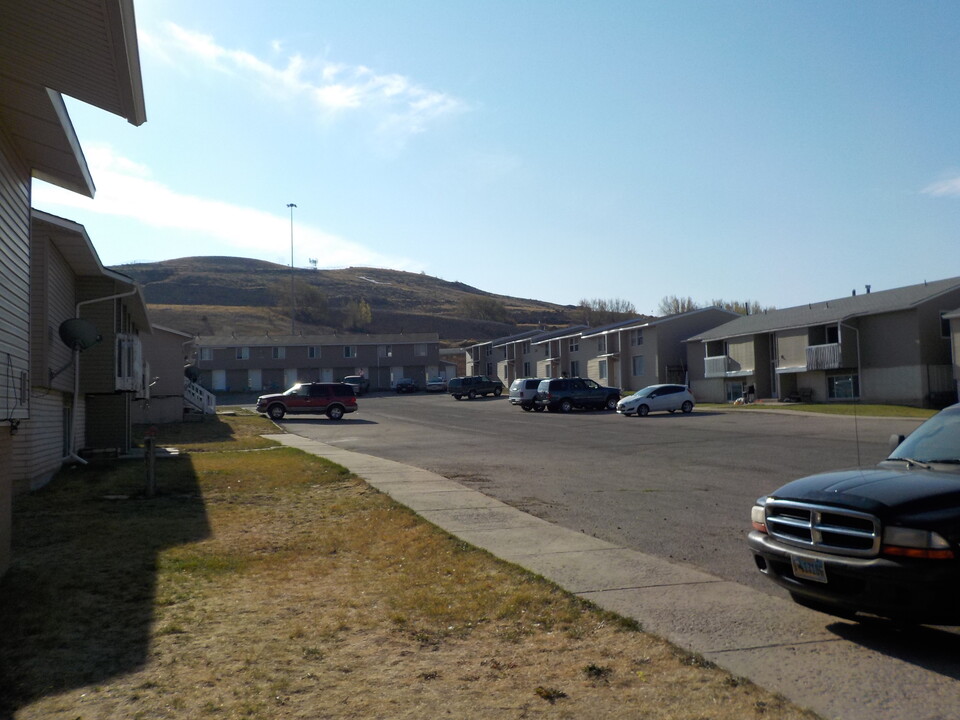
<point>523,392</point>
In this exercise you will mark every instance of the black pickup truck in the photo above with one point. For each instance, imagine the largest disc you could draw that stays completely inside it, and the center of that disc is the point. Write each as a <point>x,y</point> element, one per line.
<point>883,541</point>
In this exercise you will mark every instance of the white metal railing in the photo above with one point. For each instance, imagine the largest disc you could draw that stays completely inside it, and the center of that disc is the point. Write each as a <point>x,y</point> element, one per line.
<point>199,398</point>
<point>824,357</point>
<point>715,366</point>
<point>129,363</point>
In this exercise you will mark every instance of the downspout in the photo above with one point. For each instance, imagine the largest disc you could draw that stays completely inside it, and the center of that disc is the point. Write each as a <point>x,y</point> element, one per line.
<point>72,450</point>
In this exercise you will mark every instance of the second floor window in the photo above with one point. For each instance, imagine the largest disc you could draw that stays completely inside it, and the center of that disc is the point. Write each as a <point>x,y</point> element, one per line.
<point>385,351</point>
<point>420,349</point>
<point>636,338</point>
<point>349,351</point>
<point>313,352</point>
<point>279,353</point>
<point>206,353</point>
<point>574,344</point>
<point>602,344</point>
<point>243,353</point>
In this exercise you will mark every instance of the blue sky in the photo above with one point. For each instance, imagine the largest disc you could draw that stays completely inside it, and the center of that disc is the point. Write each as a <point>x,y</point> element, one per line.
<point>779,151</point>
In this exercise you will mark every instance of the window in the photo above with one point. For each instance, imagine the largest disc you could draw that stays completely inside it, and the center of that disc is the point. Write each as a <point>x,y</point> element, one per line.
<point>243,353</point>
<point>734,391</point>
<point>313,352</point>
<point>574,367</point>
<point>349,351</point>
<point>602,344</point>
<point>526,369</point>
<point>279,353</point>
<point>843,387</point>
<point>385,351</point>
<point>525,347</point>
<point>636,338</point>
<point>574,344</point>
<point>206,353</point>
<point>603,369</point>
<point>420,349</point>
<point>639,366</point>
<point>490,369</point>
<point>944,326</point>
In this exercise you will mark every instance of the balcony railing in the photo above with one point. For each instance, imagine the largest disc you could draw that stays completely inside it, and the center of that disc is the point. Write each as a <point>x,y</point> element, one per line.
<point>130,367</point>
<point>715,366</point>
<point>824,357</point>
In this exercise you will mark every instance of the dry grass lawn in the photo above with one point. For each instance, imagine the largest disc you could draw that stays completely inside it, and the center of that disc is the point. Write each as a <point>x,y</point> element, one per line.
<point>265,583</point>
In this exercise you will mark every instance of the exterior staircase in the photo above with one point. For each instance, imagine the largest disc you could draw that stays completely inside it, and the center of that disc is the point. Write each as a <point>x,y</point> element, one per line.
<point>197,401</point>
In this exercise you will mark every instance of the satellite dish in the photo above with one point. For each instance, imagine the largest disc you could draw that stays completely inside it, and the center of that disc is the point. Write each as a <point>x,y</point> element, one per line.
<point>79,334</point>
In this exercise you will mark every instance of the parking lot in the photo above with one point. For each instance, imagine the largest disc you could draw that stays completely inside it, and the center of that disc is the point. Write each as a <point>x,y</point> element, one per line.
<point>672,485</point>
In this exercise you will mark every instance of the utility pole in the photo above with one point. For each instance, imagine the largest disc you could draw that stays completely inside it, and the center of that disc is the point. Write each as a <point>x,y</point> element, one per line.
<point>293,293</point>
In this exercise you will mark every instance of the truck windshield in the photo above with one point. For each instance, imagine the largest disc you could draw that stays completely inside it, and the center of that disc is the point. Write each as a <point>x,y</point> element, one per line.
<point>937,440</point>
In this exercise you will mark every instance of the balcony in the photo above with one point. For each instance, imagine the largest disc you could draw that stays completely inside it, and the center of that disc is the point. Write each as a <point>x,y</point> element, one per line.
<point>824,357</point>
<point>724,366</point>
<point>131,373</point>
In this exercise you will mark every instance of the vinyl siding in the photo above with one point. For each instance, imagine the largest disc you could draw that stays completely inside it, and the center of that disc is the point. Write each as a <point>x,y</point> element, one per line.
<point>15,280</point>
<point>38,447</point>
<point>52,295</point>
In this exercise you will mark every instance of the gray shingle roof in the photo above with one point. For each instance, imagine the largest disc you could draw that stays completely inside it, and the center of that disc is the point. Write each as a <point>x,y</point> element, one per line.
<point>831,311</point>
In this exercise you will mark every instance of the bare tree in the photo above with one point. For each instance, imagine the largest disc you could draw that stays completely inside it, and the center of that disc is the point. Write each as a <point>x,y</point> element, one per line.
<point>673,305</point>
<point>600,312</point>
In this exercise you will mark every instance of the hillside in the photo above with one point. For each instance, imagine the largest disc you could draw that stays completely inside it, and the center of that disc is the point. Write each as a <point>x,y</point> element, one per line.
<point>219,295</point>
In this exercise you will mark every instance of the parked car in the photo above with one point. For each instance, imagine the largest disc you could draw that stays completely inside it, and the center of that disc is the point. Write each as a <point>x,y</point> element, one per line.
<point>657,397</point>
<point>436,384</point>
<point>359,383</point>
<point>883,540</point>
<point>523,392</point>
<point>332,399</point>
<point>564,394</point>
<point>473,385</point>
<point>406,385</point>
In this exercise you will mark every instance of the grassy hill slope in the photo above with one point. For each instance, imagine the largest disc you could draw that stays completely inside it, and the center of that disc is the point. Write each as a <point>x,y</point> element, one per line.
<point>219,295</point>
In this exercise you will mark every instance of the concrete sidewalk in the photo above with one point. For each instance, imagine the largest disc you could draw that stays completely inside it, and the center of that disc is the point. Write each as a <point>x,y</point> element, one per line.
<point>773,642</point>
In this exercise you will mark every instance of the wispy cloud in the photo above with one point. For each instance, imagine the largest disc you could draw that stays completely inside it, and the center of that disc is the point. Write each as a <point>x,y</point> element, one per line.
<point>126,190</point>
<point>398,105</point>
<point>949,187</point>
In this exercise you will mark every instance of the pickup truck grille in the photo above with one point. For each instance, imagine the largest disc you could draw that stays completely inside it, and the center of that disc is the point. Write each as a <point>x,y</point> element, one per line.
<point>824,528</point>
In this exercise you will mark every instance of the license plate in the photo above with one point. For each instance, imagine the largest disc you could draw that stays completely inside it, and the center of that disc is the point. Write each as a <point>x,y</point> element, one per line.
<point>808,569</point>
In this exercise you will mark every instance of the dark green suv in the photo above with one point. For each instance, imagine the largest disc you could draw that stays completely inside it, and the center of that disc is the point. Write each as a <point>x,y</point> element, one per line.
<point>565,394</point>
<point>474,385</point>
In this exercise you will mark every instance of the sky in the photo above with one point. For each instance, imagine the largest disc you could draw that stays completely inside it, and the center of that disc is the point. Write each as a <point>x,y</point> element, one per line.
<point>781,152</point>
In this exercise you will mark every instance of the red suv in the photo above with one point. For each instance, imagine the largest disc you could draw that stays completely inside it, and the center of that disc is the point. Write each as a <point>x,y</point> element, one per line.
<point>332,399</point>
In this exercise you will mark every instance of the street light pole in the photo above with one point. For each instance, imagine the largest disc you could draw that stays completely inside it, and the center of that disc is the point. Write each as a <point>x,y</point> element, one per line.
<point>293,294</point>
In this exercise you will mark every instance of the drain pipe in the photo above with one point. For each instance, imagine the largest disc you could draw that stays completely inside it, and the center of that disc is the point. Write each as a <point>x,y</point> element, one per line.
<point>72,449</point>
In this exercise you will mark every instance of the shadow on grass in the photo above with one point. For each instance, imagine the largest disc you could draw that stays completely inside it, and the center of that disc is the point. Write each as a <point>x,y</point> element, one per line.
<point>77,603</point>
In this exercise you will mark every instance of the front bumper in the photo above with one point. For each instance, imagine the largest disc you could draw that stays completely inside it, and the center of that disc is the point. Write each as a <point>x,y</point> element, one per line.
<point>915,590</point>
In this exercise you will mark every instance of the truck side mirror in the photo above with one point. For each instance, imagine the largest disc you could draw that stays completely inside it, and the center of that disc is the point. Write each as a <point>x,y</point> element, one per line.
<point>895,441</point>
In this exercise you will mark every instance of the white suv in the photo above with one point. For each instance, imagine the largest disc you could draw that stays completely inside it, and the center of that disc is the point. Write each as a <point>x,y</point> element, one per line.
<point>657,397</point>
<point>523,392</point>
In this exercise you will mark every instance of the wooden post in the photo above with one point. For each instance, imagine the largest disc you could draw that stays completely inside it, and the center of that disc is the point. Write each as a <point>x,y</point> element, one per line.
<point>151,466</point>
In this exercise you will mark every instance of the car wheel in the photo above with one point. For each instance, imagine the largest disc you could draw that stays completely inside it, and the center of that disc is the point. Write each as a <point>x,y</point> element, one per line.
<point>612,402</point>
<point>527,407</point>
<point>472,394</point>
<point>458,397</point>
<point>335,412</point>
<point>687,406</point>
<point>276,412</point>
<point>565,406</point>
<point>497,391</point>
<point>643,411</point>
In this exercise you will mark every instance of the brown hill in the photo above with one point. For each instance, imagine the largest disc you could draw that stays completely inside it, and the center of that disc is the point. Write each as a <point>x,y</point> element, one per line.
<point>218,295</point>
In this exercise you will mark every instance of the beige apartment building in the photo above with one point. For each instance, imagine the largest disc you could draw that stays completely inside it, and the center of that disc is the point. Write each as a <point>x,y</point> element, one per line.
<point>274,363</point>
<point>891,346</point>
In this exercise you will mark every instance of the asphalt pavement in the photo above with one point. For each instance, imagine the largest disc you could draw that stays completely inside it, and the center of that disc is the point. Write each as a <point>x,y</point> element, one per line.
<point>815,661</point>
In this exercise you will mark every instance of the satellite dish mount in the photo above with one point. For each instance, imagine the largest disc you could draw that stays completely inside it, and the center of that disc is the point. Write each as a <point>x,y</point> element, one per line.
<point>78,335</point>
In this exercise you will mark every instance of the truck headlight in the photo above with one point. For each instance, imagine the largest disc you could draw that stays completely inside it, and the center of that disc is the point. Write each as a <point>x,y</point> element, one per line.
<point>915,543</point>
<point>758,517</point>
